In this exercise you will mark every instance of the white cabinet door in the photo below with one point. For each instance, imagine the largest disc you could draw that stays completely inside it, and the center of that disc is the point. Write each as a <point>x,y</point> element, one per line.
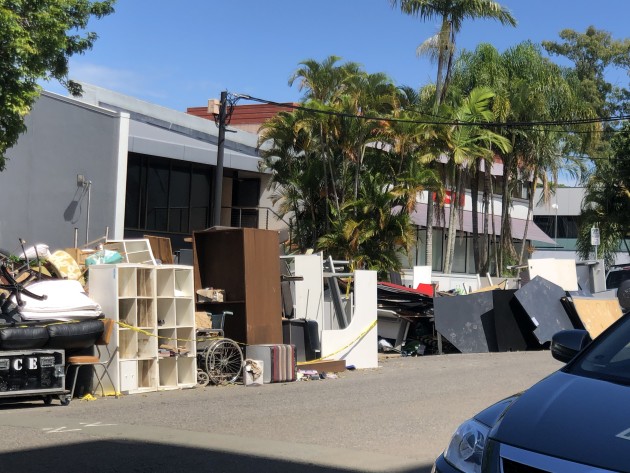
<point>128,376</point>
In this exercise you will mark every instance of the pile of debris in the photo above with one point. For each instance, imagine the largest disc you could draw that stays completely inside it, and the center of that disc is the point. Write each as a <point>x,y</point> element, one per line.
<point>554,295</point>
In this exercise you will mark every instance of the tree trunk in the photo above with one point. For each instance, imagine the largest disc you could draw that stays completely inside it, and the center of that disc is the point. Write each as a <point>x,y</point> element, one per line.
<point>485,240</point>
<point>474,196</point>
<point>495,245</point>
<point>530,212</point>
<point>508,252</point>
<point>442,62</point>
<point>430,215</point>
<point>452,224</point>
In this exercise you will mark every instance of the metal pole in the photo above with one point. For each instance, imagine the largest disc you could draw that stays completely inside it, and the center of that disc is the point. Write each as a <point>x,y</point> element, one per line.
<point>218,177</point>
<point>555,227</point>
<point>87,218</point>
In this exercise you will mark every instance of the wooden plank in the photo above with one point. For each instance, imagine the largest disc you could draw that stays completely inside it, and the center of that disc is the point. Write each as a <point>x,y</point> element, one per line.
<point>161,248</point>
<point>325,366</point>
<point>597,314</point>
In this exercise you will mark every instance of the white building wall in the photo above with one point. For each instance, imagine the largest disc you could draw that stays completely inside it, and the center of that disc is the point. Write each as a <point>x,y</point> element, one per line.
<point>42,202</point>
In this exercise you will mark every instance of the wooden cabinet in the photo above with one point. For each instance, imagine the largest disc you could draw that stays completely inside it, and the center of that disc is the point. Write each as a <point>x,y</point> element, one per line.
<point>245,262</point>
<point>152,305</point>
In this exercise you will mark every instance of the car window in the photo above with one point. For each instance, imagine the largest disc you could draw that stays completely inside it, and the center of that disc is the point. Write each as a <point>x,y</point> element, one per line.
<point>615,278</point>
<point>609,357</point>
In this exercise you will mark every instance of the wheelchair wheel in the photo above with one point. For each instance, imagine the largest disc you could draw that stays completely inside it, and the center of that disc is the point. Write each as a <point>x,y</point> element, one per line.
<point>202,378</point>
<point>223,361</point>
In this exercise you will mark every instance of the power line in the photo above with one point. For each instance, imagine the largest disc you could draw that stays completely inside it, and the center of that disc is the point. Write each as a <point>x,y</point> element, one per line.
<point>519,125</point>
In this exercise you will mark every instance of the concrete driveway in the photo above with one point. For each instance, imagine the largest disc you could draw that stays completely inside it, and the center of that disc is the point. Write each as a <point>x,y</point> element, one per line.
<point>396,418</point>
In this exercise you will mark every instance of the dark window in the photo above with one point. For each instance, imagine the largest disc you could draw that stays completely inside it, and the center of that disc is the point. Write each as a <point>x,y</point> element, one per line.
<point>157,196</point>
<point>166,195</point>
<point>200,198</point>
<point>245,198</point>
<point>133,199</point>
<point>568,225</point>
<point>546,223</point>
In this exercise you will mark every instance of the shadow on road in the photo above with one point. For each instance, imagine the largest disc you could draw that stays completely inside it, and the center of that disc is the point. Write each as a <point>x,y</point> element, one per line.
<point>112,456</point>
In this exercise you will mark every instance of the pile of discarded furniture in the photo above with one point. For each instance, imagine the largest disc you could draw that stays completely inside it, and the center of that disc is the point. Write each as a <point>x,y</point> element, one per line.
<point>46,325</point>
<point>553,295</point>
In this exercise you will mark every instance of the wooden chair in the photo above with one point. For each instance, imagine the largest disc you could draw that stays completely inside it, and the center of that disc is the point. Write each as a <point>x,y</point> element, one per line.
<point>94,361</point>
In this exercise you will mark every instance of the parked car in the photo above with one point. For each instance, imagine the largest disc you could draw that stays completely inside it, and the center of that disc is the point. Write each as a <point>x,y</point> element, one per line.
<point>616,275</point>
<point>575,420</point>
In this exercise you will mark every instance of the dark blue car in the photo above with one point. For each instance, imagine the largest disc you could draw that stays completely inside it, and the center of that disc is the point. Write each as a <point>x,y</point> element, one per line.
<point>576,420</point>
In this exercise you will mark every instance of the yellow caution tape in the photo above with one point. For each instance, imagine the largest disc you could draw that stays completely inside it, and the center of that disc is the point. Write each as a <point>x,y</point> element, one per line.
<point>162,337</point>
<point>204,339</point>
<point>360,336</point>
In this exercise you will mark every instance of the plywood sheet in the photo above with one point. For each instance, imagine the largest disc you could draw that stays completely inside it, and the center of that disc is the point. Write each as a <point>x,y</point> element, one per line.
<point>501,286</point>
<point>596,314</point>
<point>161,248</point>
<point>561,272</point>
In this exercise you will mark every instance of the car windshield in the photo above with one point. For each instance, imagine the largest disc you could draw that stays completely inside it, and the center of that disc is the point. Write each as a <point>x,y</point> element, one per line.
<point>608,358</point>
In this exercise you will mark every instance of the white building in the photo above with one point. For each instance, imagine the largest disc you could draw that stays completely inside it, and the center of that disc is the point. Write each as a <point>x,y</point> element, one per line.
<point>110,163</point>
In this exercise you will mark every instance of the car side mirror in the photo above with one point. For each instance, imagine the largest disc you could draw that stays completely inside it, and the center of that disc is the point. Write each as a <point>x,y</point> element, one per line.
<point>568,343</point>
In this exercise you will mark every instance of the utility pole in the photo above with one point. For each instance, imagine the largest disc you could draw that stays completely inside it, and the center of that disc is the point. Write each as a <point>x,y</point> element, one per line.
<point>218,177</point>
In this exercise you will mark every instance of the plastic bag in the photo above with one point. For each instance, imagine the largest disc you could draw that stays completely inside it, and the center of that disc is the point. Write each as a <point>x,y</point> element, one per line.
<point>104,257</point>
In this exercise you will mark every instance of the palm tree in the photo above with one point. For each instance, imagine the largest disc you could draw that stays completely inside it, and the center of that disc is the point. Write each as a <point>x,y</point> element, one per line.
<point>441,47</point>
<point>466,143</point>
<point>295,175</point>
<point>536,90</point>
<point>324,85</point>
<point>481,68</point>
<point>451,14</point>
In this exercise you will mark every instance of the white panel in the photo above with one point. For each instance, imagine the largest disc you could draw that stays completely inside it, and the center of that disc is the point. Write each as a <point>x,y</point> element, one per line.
<point>561,272</point>
<point>421,275</point>
<point>309,293</point>
<point>356,344</point>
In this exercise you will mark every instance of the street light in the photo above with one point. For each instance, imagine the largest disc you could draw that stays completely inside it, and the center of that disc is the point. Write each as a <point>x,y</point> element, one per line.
<point>555,225</point>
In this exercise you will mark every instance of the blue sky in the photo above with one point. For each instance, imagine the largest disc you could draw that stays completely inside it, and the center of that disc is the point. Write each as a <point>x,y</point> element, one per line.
<point>180,54</point>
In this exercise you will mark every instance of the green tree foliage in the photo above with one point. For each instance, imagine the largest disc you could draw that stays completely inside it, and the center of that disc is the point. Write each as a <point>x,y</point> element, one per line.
<point>451,14</point>
<point>592,53</point>
<point>528,88</point>
<point>441,48</point>
<point>466,143</point>
<point>37,38</point>
<point>606,202</point>
<point>347,184</point>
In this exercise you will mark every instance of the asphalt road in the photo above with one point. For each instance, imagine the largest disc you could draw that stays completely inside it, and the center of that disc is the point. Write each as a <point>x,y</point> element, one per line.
<point>396,418</point>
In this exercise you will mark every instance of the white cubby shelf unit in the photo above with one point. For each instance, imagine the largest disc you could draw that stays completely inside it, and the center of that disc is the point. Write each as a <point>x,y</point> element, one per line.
<point>153,305</point>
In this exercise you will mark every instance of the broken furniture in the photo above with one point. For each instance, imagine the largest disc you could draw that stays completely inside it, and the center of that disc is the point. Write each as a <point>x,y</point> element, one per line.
<point>356,344</point>
<point>244,262</point>
<point>392,326</point>
<point>102,359</point>
<point>304,335</point>
<point>161,249</point>
<point>132,251</point>
<point>148,303</point>
<point>400,310</point>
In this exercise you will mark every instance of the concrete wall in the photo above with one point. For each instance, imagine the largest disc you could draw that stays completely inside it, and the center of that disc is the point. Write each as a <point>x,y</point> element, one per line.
<point>568,200</point>
<point>42,202</point>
